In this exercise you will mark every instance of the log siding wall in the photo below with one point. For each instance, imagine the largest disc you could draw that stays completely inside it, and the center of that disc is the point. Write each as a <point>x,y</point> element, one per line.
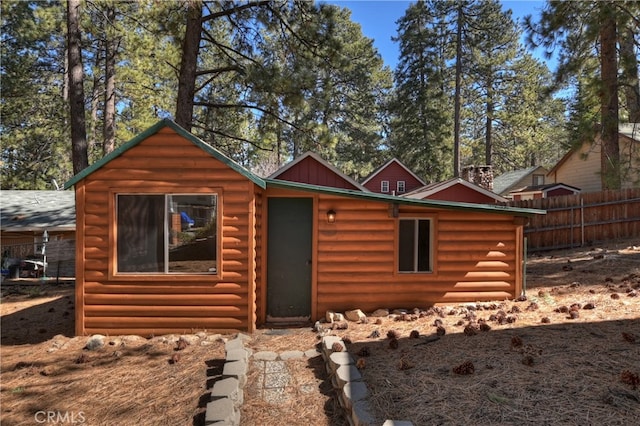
<point>476,257</point>
<point>108,304</point>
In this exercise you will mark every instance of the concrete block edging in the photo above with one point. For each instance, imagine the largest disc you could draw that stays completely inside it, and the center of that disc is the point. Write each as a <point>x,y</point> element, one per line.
<point>347,382</point>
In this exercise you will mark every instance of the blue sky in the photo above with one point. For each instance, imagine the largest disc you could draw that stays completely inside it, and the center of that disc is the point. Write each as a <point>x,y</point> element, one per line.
<point>378,20</point>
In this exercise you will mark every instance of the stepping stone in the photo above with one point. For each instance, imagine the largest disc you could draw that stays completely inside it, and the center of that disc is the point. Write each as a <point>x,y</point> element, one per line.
<point>291,355</point>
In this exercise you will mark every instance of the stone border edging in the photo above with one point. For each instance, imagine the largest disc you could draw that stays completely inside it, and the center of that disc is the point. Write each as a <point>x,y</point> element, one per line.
<point>347,381</point>
<point>227,394</point>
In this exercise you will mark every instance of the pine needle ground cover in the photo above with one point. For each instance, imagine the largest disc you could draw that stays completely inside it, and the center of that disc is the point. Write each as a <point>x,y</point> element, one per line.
<point>568,354</point>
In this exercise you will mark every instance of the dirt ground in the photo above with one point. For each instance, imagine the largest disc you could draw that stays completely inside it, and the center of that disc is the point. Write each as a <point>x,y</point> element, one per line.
<point>527,362</point>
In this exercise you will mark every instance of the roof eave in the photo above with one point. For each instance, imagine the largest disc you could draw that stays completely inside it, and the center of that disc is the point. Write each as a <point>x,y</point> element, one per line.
<point>372,196</point>
<point>153,130</point>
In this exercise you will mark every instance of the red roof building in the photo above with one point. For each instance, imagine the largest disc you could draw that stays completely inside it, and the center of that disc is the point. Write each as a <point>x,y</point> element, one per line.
<point>456,189</point>
<point>312,169</point>
<point>392,178</point>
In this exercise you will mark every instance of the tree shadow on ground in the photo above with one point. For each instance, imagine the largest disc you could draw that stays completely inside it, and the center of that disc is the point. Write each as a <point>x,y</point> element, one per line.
<point>41,322</point>
<point>334,412</point>
<point>580,363</point>
<point>214,374</point>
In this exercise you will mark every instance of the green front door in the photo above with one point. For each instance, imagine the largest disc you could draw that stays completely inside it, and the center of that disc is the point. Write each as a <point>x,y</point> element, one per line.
<point>289,259</point>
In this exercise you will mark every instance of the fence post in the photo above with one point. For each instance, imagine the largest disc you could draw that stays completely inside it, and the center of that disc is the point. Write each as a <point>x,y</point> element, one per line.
<point>581,221</point>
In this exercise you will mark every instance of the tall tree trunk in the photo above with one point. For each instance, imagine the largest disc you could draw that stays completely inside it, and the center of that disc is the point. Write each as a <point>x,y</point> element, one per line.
<point>488,144</point>
<point>188,66</point>
<point>111,47</point>
<point>456,101</point>
<point>76,89</point>
<point>92,140</point>
<point>629,65</point>
<point>610,152</point>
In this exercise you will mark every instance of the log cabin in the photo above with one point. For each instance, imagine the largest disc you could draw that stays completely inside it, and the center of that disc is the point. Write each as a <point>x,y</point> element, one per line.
<point>266,250</point>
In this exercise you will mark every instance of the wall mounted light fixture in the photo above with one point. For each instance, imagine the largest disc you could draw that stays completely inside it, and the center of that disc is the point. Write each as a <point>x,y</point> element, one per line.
<point>331,216</point>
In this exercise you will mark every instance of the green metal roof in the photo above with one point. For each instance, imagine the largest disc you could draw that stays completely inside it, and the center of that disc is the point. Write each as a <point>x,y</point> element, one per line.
<point>372,196</point>
<point>153,130</point>
<point>276,183</point>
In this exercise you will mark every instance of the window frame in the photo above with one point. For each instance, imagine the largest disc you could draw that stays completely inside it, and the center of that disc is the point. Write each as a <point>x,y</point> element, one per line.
<point>432,240</point>
<point>382,186</point>
<point>404,187</point>
<point>536,178</point>
<point>115,275</point>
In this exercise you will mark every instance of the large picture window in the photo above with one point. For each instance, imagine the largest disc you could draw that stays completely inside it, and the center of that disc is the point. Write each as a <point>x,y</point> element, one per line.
<point>414,245</point>
<point>166,233</point>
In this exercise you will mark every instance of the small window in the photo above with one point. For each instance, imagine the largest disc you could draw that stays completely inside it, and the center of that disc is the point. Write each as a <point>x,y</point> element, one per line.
<point>384,186</point>
<point>414,245</point>
<point>538,180</point>
<point>166,233</point>
<point>400,187</point>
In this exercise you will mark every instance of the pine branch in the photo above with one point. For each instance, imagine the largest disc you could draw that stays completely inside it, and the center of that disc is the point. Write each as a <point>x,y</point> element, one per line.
<point>226,135</point>
<point>248,106</point>
<point>236,9</point>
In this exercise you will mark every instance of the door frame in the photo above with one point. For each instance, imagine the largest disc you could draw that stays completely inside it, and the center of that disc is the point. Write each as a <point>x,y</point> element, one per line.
<point>283,193</point>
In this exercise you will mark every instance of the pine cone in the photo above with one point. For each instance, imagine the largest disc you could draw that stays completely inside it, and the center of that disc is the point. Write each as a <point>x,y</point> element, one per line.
<point>361,364</point>
<point>465,368</point>
<point>182,344</point>
<point>337,347</point>
<point>516,342</point>
<point>415,334</point>
<point>364,351</point>
<point>440,331</point>
<point>630,378</point>
<point>393,334</point>
<point>527,360</point>
<point>404,365</point>
<point>393,343</point>
<point>485,327</point>
<point>470,330</point>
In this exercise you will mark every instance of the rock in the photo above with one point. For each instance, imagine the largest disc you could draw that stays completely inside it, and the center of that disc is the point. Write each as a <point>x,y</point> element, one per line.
<point>380,313</point>
<point>191,339</point>
<point>214,338</point>
<point>95,342</point>
<point>132,340</point>
<point>355,315</point>
<point>333,316</point>
<point>399,311</point>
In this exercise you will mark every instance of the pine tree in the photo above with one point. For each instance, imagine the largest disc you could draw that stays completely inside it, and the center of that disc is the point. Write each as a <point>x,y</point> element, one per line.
<point>35,124</point>
<point>421,115</point>
<point>584,31</point>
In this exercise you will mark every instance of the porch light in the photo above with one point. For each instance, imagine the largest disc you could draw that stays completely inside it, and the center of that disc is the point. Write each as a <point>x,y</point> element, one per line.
<point>331,216</point>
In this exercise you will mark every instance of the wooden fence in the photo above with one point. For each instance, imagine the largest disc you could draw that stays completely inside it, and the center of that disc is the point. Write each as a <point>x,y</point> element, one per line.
<point>582,219</point>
